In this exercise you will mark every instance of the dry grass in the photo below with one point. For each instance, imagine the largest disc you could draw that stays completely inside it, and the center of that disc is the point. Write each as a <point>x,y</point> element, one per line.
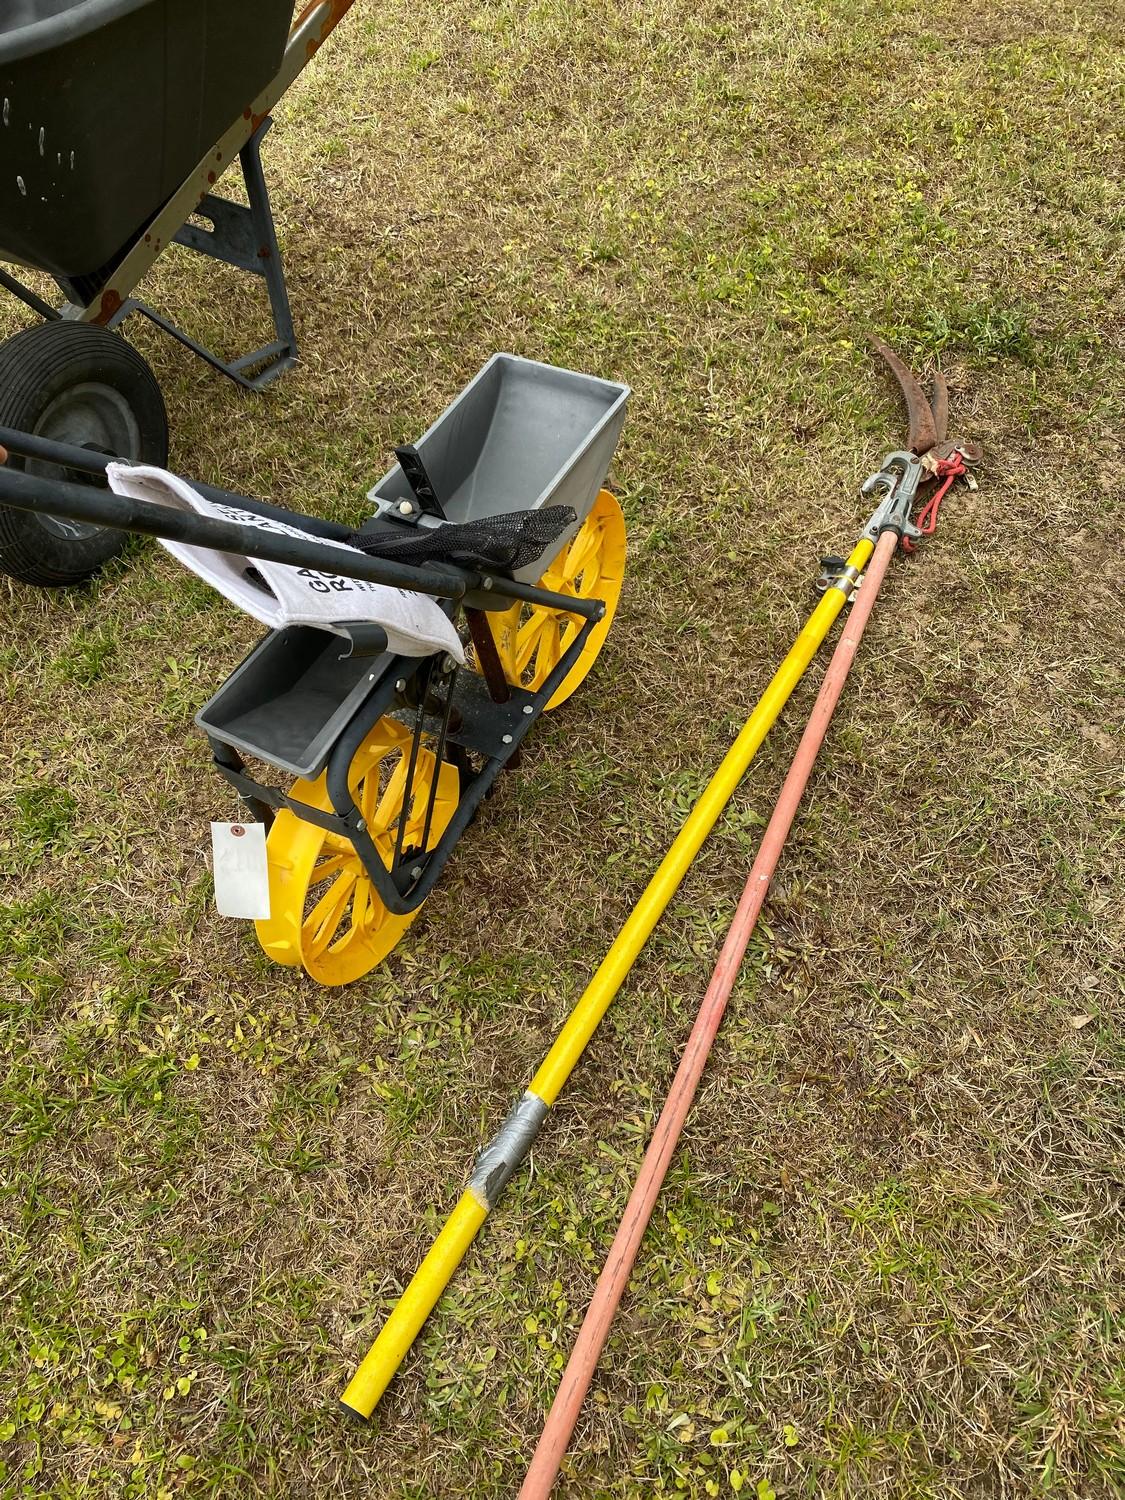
<point>889,1258</point>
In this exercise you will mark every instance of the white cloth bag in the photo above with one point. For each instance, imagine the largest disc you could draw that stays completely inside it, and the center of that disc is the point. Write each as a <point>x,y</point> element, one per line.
<point>278,594</point>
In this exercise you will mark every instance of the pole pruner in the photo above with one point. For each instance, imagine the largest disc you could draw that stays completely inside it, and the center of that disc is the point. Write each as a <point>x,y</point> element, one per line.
<point>896,487</point>
<point>931,456</point>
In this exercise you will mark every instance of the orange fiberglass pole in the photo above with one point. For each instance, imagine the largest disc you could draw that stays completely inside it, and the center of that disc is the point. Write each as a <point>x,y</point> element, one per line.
<point>615,1274</point>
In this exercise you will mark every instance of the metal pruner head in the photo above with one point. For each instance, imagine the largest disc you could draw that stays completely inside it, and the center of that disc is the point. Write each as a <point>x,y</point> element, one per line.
<point>927,421</point>
<point>896,483</point>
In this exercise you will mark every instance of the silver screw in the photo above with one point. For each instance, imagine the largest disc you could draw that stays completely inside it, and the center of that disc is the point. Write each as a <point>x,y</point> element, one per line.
<point>400,685</point>
<point>486,583</point>
<point>528,708</point>
<point>405,508</point>
<point>416,873</point>
<point>506,740</point>
<point>449,665</point>
<point>361,825</point>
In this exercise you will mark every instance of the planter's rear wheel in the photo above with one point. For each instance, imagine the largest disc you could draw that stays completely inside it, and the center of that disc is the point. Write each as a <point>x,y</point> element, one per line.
<point>85,386</point>
<point>324,910</point>
<point>531,640</point>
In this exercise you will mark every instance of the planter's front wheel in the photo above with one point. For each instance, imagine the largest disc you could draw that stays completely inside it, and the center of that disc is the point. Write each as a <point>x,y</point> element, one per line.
<point>325,912</point>
<point>85,386</point>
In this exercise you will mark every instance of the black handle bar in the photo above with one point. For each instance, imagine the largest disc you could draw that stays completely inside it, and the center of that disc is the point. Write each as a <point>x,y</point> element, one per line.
<point>90,461</point>
<point>82,502</point>
<point>85,502</point>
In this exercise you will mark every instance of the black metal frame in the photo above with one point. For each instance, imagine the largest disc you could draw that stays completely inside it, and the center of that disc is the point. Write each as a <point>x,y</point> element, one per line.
<point>244,237</point>
<point>475,715</point>
<point>241,236</point>
<point>492,731</point>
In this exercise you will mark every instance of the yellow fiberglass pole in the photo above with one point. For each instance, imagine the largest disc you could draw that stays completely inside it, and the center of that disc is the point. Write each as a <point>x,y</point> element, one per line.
<point>502,1157</point>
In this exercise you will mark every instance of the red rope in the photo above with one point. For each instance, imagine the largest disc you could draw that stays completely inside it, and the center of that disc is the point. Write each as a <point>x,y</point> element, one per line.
<point>948,470</point>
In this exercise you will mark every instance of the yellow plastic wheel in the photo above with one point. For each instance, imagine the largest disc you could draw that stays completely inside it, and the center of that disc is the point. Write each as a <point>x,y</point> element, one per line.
<point>531,640</point>
<point>325,911</point>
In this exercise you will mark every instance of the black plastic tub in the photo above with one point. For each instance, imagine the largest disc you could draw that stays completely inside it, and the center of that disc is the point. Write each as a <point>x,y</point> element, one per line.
<point>107,105</point>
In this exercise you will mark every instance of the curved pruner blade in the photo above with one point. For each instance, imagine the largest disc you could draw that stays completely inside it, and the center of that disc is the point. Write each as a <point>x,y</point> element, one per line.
<point>939,405</point>
<point>924,423</point>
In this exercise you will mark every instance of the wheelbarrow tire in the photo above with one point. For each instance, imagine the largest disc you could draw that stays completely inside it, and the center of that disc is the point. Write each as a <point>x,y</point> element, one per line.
<point>86,386</point>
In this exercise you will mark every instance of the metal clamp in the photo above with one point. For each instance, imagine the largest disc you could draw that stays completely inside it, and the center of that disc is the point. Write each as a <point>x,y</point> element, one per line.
<point>838,573</point>
<point>897,481</point>
<point>501,1158</point>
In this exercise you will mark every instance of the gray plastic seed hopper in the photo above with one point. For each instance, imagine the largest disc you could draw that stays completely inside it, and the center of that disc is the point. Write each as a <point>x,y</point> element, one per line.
<point>520,436</point>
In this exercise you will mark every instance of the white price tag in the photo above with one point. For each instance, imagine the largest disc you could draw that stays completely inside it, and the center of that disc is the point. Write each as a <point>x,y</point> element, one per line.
<point>242,882</point>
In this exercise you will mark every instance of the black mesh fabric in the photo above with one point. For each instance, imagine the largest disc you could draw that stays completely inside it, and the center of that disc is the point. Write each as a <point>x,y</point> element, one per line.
<point>508,542</point>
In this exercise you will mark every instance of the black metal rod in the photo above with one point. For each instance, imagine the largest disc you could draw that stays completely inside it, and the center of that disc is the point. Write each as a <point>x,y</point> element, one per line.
<point>488,656</point>
<point>89,461</point>
<point>66,455</point>
<point>439,754</point>
<point>425,677</point>
<point>79,502</point>
<point>28,297</point>
<point>509,588</point>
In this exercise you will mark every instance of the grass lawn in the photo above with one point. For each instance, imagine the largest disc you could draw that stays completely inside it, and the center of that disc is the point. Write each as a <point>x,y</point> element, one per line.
<point>888,1259</point>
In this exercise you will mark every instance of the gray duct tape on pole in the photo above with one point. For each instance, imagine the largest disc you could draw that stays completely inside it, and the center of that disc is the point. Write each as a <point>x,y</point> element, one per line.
<point>501,1158</point>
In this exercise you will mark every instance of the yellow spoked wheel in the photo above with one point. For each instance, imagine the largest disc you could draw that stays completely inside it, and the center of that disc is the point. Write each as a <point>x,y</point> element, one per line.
<point>531,640</point>
<point>325,911</point>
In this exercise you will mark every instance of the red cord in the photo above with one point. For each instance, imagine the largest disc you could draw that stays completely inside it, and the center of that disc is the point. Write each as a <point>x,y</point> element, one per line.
<point>948,470</point>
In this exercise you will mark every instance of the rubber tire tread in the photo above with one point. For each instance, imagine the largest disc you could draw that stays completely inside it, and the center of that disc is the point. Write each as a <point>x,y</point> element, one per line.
<point>35,366</point>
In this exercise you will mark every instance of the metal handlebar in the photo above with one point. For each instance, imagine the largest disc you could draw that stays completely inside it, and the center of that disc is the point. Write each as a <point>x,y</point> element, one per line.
<point>81,502</point>
<point>102,507</point>
<point>90,461</point>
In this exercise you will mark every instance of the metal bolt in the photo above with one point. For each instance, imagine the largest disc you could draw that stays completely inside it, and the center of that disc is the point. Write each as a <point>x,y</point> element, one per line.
<point>416,873</point>
<point>486,583</point>
<point>360,826</point>
<point>506,739</point>
<point>405,508</point>
<point>449,665</point>
<point>371,676</point>
<point>529,708</point>
<point>400,685</point>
